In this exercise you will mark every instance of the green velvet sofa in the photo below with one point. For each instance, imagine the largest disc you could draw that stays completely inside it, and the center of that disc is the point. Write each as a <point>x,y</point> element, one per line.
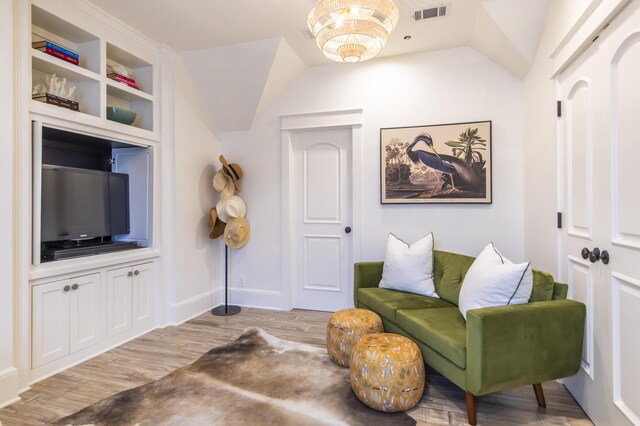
<point>497,348</point>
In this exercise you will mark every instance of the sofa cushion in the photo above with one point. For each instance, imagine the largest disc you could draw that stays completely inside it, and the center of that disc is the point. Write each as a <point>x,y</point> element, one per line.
<point>409,267</point>
<point>542,286</point>
<point>449,270</point>
<point>387,302</point>
<point>444,330</point>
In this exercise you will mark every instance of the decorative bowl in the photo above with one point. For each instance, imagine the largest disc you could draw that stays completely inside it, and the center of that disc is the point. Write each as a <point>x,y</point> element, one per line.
<point>120,115</point>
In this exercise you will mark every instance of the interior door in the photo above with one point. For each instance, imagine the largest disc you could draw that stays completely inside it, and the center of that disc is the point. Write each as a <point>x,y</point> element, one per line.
<point>598,129</point>
<point>322,255</point>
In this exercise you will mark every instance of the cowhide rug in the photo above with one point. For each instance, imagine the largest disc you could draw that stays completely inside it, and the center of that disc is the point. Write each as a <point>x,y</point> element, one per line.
<point>256,380</point>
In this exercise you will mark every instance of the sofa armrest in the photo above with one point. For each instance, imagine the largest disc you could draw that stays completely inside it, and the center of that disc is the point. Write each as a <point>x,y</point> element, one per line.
<point>516,345</point>
<point>366,274</point>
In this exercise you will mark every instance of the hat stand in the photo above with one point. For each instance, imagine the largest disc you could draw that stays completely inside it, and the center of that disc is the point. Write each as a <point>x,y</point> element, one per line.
<point>226,309</point>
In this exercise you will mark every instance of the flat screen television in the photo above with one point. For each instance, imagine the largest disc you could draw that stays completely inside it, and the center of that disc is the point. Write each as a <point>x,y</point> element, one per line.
<point>82,204</point>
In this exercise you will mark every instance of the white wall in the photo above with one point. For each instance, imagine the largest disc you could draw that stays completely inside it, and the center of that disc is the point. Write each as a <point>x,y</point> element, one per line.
<point>197,259</point>
<point>8,373</point>
<point>439,87</point>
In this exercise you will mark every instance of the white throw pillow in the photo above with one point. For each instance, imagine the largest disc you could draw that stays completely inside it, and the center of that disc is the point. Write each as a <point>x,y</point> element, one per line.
<point>409,267</point>
<point>493,280</point>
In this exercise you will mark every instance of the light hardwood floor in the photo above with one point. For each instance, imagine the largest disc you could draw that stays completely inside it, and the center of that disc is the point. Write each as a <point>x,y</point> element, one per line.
<point>159,352</point>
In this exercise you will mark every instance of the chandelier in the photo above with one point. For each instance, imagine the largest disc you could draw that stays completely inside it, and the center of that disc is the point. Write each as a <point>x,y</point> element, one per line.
<point>352,30</point>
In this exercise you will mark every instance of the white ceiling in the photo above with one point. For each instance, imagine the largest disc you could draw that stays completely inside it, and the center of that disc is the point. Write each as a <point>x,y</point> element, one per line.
<point>258,47</point>
<point>198,24</point>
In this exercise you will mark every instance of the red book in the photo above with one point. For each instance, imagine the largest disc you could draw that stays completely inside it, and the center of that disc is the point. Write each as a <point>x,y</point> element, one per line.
<point>60,55</point>
<point>120,76</point>
<point>119,79</point>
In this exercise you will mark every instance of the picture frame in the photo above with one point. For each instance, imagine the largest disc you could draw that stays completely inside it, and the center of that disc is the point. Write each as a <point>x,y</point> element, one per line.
<point>436,164</point>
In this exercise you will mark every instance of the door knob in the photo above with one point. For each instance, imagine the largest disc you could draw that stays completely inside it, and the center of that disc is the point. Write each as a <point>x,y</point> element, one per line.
<point>130,274</point>
<point>347,229</point>
<point>74,287</point>
<point>66,288</point>
<point>136,272</point>
<point>595,255</point>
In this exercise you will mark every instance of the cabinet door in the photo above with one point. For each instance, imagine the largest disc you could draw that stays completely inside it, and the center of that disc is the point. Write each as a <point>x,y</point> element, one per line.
<point>136,162</point>
<point>119,300</point>
<point>85,316</point>
<point>50,321</point>
<point>143,292</point>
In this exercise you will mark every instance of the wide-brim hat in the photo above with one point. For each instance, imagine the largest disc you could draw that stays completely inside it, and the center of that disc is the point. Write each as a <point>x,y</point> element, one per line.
<point>237,232</point>
<point>216,225</point>
<point>233,170</point>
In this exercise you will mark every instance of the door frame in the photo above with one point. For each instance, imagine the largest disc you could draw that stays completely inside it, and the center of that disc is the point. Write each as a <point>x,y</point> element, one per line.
<point>290,124</point>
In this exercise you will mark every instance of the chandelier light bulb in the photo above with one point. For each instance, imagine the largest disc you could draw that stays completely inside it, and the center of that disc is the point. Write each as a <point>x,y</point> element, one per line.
<point>352,30</point>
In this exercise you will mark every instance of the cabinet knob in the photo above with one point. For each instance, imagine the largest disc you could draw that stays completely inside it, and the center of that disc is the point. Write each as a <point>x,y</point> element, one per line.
<point>129,274</point>
<point>66,288</point>
<point>136,272</point>
<point>74,287</point>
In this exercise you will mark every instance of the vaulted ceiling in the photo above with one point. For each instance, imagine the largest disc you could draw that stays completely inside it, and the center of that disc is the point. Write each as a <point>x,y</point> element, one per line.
<point>265,41</point>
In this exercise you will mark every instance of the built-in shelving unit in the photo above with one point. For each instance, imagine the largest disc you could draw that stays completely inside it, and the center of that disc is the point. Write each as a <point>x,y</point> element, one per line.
<point>52,338</point>
<point>94,90</point>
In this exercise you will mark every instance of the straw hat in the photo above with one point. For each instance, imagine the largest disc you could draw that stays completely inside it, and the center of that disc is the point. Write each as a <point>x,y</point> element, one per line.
<point>216,224</point>
<point>236,233</point>
<point>232,170</point>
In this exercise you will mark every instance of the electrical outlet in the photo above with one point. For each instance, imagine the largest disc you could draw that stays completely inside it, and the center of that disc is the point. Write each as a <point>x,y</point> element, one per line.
<point>241,280</point>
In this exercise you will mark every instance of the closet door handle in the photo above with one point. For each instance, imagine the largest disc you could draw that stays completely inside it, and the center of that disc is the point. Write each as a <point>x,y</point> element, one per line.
<point>66,288</point>
<point>74,287</point>
<point>129,274</point>
<point>136,272</point>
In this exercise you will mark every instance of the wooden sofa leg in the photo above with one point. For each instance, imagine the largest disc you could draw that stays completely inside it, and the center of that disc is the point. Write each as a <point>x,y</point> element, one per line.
<point>471,408</point>
<point>537,388</point>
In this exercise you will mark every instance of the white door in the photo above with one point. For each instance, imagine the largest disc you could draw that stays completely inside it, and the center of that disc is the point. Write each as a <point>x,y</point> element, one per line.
<point>322,255</point>
<point>142,293</point>
<point>119,295</point>
<point>85,315</point>
<point>50,322</point>
<point>601,205</point>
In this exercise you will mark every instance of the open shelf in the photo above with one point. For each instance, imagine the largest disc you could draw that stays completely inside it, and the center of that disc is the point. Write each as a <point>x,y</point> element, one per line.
<point>97,53</point>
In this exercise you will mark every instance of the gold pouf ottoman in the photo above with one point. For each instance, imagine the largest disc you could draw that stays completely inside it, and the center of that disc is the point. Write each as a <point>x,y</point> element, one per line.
<point>344,330</point>
<point>387,372</point>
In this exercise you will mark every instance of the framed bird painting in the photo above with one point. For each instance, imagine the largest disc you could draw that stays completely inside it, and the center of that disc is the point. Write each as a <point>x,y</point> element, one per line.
<point>440,163</point>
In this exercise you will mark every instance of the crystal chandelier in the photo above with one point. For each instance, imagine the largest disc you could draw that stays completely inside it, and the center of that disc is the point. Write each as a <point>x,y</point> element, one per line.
<point>352,30</point>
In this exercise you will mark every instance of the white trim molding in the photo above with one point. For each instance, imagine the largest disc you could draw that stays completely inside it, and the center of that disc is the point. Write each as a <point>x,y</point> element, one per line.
<point>351,119</point>
<point>9,385</point>
<point>594,19</point>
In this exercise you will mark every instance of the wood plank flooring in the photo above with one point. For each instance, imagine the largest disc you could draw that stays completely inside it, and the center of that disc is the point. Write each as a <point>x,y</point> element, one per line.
<point>159,352</point>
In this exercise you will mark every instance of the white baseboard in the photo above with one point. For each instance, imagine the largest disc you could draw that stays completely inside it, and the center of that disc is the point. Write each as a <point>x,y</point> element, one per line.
<point>266,299</point>
<point>196,305</point>
<point>9,386</point>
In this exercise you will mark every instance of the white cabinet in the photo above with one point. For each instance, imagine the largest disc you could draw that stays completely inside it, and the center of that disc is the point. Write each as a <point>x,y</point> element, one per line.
<point>66,317</point>
<point>130,294</point>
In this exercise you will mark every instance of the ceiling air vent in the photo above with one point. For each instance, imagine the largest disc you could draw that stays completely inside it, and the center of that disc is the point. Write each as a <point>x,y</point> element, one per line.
<point>433,12</point>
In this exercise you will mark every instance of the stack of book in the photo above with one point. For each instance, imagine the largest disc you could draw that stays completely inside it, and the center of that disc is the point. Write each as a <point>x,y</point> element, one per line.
<point>48,98</point>
<point>56,50</point>
<point>123,79</point>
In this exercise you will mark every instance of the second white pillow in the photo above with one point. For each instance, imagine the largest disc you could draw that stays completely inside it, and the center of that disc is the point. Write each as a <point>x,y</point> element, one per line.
<point>409,267</point>
<point>493,280</point>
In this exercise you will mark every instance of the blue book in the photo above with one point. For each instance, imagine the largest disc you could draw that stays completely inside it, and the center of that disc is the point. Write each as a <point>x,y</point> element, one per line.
<point>46,43</point>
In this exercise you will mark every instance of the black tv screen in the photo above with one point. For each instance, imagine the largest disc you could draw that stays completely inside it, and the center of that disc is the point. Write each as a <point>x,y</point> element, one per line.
<point>80,204</point>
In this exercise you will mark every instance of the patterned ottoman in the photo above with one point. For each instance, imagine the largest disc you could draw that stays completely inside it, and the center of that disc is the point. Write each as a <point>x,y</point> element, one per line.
<point>387,372</point>
<point>344,330</point>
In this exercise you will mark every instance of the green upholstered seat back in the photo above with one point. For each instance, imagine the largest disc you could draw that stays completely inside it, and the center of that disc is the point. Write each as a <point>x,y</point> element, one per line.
<point>449,270</point>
